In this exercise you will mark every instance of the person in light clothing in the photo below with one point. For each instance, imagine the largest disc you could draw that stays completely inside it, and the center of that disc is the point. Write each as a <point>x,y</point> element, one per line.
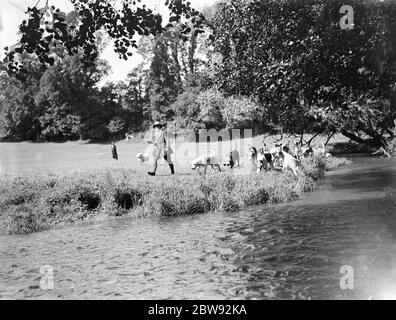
<point>161,149</point>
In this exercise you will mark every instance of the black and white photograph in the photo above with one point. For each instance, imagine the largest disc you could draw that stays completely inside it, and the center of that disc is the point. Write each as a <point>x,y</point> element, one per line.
<point>226,151</point>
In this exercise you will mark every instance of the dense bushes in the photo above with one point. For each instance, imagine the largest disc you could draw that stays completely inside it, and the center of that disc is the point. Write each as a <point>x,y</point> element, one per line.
<point>210,108</point>
<point>177,197</point>
<point>21,220</point>
<point>187,110</point>
<point>127,199</point>
<point>316,166</point>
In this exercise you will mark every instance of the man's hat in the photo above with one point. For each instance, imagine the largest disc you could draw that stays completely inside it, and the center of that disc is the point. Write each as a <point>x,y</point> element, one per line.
<point>157,124</point>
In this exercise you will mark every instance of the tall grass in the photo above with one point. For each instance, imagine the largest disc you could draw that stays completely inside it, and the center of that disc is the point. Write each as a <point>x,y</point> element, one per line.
<point>34,203</point>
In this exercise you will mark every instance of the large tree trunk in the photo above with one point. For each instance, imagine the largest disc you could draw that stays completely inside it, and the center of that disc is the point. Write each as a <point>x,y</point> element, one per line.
<point>191,53</point>
<point>353,137</point>
<point>375,142</point>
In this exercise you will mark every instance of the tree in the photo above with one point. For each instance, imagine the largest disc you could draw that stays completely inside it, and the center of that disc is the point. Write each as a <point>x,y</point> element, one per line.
<point>162,83</point>
<point>241,112</point>
<point>134,99</point>
<point>187,110</point>
<point>18,112</point>
<point>67,94</point>
<point>116,127</point>
<point>61,102</point>
<point>129,99</point>
<point>307,72</point>
<point>211,102</point>
<point>122,24</point>
<point>206,109</point>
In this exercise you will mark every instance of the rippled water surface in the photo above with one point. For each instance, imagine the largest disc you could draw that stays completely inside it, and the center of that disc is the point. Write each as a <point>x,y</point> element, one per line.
<point>289,251</point>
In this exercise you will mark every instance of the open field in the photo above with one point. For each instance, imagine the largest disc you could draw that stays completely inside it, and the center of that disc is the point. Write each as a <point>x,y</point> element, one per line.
<point>65,158</point>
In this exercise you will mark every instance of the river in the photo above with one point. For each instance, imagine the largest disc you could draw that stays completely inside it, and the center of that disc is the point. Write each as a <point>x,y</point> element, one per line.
<point>288,251</point>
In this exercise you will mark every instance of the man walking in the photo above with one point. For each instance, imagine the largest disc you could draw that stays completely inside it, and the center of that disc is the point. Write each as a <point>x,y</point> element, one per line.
<point>161,149</point>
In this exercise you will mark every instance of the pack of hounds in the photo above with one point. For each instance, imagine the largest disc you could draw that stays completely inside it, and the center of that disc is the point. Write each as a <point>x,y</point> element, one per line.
<point>282,156</point>
<point>260,160</point>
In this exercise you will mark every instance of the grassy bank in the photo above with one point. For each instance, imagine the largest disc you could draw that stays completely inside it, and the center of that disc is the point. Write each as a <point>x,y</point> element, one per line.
<point>33,203</point>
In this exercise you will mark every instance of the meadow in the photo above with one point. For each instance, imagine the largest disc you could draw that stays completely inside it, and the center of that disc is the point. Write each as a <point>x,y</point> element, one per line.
<point>17,159</point>
<point>48,185</point>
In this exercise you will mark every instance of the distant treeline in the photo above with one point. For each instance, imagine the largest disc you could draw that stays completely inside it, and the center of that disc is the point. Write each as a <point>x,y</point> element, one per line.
<point>259,64</point>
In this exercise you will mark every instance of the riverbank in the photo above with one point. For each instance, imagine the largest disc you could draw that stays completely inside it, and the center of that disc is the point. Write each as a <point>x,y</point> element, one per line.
<point>32,203</point>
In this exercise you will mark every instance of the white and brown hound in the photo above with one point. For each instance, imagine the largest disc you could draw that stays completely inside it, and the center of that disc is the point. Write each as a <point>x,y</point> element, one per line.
<point>264,160</point>
<point>205,161</point>
<point>290,162</point>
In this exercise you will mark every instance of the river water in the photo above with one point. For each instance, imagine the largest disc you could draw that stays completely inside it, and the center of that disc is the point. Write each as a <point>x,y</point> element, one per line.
<point>288,251</point>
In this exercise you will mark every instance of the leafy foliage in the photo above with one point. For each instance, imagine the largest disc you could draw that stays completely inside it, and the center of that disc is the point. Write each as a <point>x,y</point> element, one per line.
<point>64,103</point>
<point>162,83</point>
<point>211,103</point>
<point>307,72</point>
<point>270,62</point>
<point>241,112</point>
<point>122,24</point>
<point>205,109</point>
<point>116,126</point>
<point>187,110</point>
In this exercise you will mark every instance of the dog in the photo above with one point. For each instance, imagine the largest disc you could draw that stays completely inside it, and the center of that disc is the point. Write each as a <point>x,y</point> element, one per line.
<point>275,149</point>
<point>129,136</point>
<point>264,159</point>
<point>262,162</point>
<point>307,152</point>
<point>142,158</point>
<point>205,161</point>
<point>298,152</point>
<point>252,154</point>
<point>269,157</point>
<point>290,162</point>
<point>276,160</point>
<point>232,159</point>
<point>318,151</point>
<point>327,155</point>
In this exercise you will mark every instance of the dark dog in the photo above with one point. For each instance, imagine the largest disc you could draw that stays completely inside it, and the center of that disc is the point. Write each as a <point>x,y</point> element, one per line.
<point>232,159</point>
<point>263,160</point>
<point>270,159</point>
<point>308,152</point>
